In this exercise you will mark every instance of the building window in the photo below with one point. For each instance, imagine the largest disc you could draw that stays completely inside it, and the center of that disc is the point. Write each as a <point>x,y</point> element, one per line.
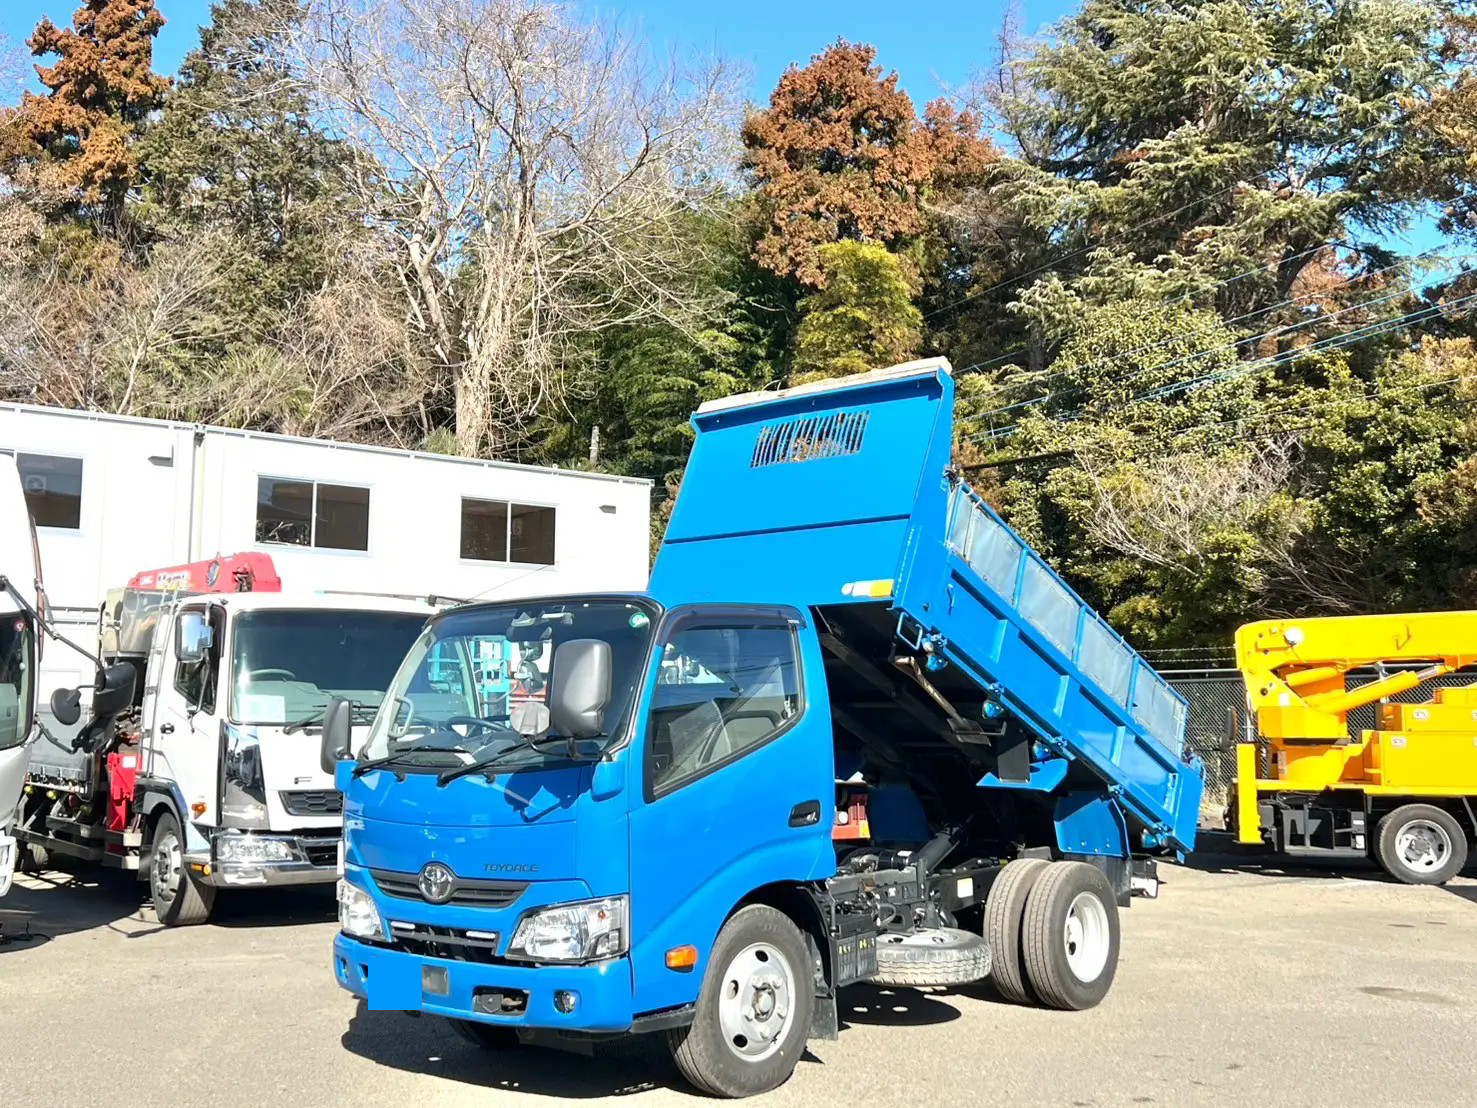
<point>311,513</point>
<point>53,488</point>
<point>496,531</point>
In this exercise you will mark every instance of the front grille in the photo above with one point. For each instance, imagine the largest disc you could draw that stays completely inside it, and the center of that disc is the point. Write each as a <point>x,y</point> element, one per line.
<point>452,943</point>
<point>465,891</point>
<point>313,802</point>
<point>321,852</point>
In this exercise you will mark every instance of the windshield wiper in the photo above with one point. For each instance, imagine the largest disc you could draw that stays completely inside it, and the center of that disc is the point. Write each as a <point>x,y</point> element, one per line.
<point>317,721</point>
<point>492,761</point>
<point>392,759</point>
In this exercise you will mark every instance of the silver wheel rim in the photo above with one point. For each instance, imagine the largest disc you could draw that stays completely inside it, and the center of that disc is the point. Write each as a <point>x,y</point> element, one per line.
<point>166,869</point>
<point>1086,937</point>
<point>1422,846</point>
<point>756,1002</point>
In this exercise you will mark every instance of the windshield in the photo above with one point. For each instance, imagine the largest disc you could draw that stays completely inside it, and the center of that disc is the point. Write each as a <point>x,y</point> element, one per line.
<point>17,661</point>
<point>286,664</point>
<point>470,669</point>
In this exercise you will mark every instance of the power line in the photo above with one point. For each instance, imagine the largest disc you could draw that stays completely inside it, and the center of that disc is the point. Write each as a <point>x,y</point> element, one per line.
<point>1331,342</point>
<point>1108,359</point>
<point>1179,300</point>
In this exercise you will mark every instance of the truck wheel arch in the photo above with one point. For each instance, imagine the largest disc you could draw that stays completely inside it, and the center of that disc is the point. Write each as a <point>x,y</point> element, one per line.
<point>800,907</point>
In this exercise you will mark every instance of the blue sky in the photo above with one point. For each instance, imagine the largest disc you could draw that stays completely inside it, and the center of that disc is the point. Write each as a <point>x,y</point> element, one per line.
<point>932,45</point>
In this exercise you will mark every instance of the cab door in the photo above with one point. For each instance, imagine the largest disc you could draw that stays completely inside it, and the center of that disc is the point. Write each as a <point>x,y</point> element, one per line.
<point>737,781</point>
<point>183,735</point>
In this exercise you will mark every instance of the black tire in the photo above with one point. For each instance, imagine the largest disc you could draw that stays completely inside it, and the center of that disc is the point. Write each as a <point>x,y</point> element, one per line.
<point>486,1036</point>
<point>1005,907</point>
<point>1053,958</point>
<point>1421,844</point>
<point>704,1051</point>
<point>179,899</point>
<point>934,956</point>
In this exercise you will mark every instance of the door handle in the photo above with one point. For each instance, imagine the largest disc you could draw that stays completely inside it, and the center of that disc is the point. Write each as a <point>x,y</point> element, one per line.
<point>806,814</point>
<point>166,729</point>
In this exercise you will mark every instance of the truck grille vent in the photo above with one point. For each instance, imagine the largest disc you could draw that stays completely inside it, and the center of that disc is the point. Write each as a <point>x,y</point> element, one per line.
<point>465,891</point>
<point>807,438</point>
<point>452,943</point>
<point>313,802</point>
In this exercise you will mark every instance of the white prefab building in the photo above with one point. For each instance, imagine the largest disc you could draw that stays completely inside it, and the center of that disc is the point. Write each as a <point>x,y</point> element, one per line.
<point>112,496</point>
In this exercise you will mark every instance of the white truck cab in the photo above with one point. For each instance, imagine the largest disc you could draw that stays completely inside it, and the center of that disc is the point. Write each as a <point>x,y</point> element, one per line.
<point>20,647</point>
<point>211,773</point>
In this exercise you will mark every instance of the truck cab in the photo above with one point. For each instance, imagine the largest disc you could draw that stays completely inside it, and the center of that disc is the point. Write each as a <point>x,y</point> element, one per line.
<point>200,765</point>
<point>20,651</point>
<point>855,731</point>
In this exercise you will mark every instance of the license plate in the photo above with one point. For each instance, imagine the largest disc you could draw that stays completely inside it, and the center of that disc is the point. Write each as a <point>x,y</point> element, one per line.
<point>434,980</point>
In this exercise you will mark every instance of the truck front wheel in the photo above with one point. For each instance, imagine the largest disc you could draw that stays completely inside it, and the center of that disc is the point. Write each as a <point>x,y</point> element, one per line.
<point>179,900</point>
<point>1421,845</point>
<point>1069,936</point>
<point>753,1014</point>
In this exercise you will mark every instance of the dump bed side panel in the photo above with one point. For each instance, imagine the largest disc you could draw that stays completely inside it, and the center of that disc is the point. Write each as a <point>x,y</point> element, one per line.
<point>992,607</point>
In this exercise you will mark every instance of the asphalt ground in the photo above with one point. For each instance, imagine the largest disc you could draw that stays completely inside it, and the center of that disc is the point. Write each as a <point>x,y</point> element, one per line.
<point>1244,983</point>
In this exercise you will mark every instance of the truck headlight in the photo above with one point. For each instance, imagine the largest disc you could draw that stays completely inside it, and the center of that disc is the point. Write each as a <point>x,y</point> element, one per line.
<point>251,850</point>
<point>357,914</point>
<point>579,932</point>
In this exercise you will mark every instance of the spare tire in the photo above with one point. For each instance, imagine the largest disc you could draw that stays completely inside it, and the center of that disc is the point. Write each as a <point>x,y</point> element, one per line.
<point>931,956</point>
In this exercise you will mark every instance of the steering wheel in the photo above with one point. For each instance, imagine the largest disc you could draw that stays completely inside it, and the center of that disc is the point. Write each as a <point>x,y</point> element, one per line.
<point>285,674</point>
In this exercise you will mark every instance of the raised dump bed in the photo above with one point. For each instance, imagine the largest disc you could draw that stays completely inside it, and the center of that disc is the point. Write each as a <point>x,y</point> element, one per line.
<point>840,498</point>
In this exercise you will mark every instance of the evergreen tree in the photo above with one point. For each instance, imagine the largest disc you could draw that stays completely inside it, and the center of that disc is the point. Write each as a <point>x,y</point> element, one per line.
<point>237,150</point>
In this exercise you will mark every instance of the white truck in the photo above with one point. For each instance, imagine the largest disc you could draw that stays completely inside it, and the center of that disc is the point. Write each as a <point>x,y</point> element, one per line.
<point>20,651</point>
<point>205,772</point>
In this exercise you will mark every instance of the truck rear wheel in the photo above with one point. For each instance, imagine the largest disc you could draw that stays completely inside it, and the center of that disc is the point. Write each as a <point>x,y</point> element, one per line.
<point>753,1014</point>
<point>179,900</point>
<point>1069,937</point>
<point>1005,908</point>
<point>1421,844</point>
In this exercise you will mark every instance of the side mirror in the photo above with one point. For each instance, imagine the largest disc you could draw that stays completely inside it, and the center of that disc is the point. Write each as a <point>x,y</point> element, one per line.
<point>66,706</point>
<point>580,690</point>
<point>338,732</point>
<point>192,637</point>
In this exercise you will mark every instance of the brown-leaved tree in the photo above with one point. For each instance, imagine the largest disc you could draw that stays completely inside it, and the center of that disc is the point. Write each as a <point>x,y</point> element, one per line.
<point>78,137</point>
<point>840,154</point>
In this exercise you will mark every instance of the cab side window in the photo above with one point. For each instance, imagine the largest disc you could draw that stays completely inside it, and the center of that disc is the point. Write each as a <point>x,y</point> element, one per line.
<point>724,689</point>
<point>197,683</point>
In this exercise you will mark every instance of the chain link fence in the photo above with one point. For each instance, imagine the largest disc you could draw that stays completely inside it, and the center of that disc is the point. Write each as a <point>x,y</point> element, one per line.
<point>1214,693</point>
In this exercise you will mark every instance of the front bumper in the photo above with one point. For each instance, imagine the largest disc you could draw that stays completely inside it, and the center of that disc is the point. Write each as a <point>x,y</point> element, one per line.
<point>602,990</point>
<point>7,861</point>
<point>312,860</point>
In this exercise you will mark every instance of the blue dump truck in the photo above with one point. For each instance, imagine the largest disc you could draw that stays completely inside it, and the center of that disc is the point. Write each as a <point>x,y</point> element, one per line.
<point>855,731</point>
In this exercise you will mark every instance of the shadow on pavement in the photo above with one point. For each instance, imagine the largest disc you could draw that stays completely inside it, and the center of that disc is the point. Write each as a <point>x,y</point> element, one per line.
<point>427,1045</point>
<point>886,1006</point>
<point>55,902</point>
<point>280,907</point>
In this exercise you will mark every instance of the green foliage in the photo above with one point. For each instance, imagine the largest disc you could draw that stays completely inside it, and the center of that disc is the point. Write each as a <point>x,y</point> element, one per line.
<point>238,150</point>
<point>863,317</point>
<point>1168,146</point>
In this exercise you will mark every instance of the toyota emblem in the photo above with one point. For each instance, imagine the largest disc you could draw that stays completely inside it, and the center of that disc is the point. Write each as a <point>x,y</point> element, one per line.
<point>436,883</point>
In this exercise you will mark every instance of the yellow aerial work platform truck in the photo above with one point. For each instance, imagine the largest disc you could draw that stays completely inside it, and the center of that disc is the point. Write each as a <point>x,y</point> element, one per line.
<point>1401,793</point>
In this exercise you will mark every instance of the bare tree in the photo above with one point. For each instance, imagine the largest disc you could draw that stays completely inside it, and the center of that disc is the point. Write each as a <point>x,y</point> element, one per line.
<point>538,170</point>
